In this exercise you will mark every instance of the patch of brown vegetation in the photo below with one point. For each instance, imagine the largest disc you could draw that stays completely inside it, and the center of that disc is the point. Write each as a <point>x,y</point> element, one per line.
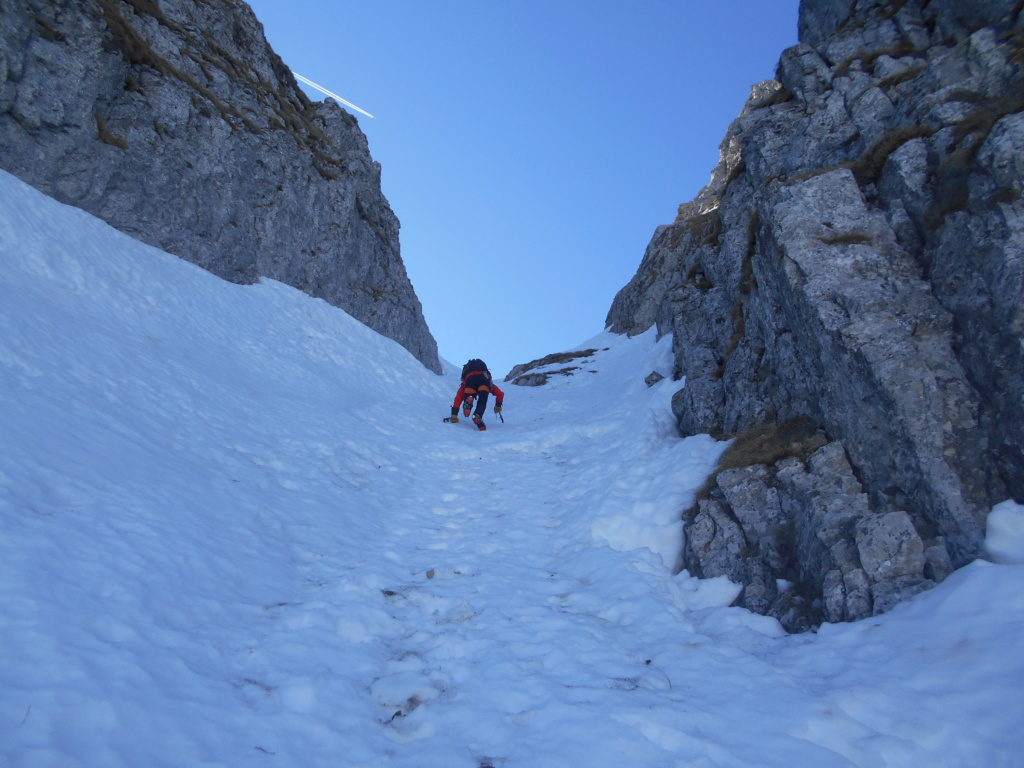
<point>951,190</point>
<point>696,278</point>
<point>868,166</point>
<point>767,444</point>
<point>900,77</point>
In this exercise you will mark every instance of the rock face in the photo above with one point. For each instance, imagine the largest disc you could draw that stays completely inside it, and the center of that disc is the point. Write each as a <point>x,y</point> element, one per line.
<point>175,122</point>
<point>858,260</point>
<point>801,519</point>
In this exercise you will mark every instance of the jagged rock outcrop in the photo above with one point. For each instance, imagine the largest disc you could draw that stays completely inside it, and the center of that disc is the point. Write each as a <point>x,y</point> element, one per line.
<point>857,260</point>
<point>537,372</point>
<point>786,517</point>
<point>175,122</point>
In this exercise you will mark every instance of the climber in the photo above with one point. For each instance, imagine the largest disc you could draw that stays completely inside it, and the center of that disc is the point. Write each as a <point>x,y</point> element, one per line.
<point>476,385</point>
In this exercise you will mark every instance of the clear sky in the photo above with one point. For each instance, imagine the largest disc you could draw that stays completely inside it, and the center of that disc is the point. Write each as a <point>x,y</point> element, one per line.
<point>531,147</point>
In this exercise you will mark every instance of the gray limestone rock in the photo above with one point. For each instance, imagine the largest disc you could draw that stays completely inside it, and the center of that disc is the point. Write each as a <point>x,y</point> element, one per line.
<point>860,265</point>
<point>960,17</point>
<point>819,19</point>
<point>760,589</point>
<point>714,543</point>
<point>754,504</point>
<point>889,547</point>
<point>806,522</point>
<point>937,564</point>
<point>858,600</point>
<point>886,595</point>
<point>652,378</point>
<point>175,122</point>
<point>804,72</point>
<point>833,595</point>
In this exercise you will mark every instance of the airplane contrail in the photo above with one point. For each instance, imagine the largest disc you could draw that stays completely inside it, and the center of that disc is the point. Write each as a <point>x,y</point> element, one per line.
<point>334,96</point>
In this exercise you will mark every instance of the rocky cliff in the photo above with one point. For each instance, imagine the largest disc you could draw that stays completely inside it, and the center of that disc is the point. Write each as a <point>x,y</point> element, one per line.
<point>175,122</point>
<point>847,296</point>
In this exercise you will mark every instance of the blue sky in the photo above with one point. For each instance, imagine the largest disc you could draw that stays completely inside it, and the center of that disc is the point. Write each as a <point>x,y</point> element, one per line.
<point>530,148</point>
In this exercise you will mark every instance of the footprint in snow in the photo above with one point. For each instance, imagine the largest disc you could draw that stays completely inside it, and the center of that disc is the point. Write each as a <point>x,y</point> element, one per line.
<point>401,697</point>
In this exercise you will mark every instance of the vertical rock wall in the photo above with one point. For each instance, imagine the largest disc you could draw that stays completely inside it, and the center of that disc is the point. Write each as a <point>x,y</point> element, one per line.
<point>857,262</point>
<point>175,122</point>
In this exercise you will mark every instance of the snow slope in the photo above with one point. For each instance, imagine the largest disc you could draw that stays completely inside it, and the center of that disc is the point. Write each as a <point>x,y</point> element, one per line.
<point>234,531</point>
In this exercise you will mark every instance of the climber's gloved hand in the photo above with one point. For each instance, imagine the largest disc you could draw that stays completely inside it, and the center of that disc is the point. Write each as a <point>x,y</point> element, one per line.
<point>497,407</point>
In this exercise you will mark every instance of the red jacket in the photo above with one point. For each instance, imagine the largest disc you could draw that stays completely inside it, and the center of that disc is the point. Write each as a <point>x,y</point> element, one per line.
<point>489,387</point>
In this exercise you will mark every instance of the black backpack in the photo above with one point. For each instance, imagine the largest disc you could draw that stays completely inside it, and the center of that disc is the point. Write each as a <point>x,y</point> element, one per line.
<point>475,364</point>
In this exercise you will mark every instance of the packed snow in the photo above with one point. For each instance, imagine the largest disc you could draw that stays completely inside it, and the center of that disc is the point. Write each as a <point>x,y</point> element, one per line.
<point>237,532</point>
